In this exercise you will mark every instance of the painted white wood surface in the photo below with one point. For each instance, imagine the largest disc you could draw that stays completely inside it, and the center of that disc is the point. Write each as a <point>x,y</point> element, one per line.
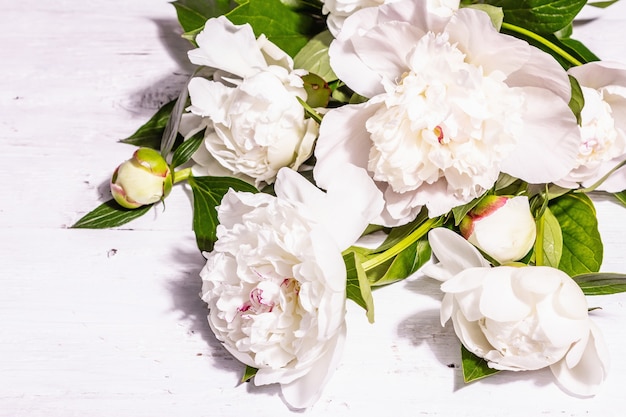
<point>108,322</point>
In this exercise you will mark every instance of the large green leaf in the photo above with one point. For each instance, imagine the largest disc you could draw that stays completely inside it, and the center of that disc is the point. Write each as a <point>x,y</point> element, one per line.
<point>582,244</point>
<point>149,135</point>
<point>193,14</point>
<point>109,214</point>
<point>314,57</point>
<point>207,195</point>
<point>357,286</point>
<point>282,25</point>
<point>541,16</point>
<point>621,197</point>
<point>474,367</point>
<point>601,283</point>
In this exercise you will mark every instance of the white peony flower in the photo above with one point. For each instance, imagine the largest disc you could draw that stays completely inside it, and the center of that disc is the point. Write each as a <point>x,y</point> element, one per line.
<point>603,126</point>
<point>502,227</point>
<point>519,318</point>
<point>275,282</point>
<point>339,10</point>
<point>452,104</point>
<point>255,124</point>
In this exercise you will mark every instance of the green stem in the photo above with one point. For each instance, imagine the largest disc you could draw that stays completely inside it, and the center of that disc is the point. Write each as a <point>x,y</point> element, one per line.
<point>182,175</point>
<point>539,241</point>
<point>601,180</point>
<point>403,244</point>
<point>543,41</point>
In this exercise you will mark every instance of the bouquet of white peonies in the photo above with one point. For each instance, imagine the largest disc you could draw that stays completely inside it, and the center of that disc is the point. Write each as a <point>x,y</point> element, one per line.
<point>336,146</point>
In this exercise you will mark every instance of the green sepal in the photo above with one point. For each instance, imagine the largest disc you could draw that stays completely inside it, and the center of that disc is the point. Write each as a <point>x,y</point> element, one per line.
<point>150,133</point>
<point>601,283</point>
<point>474,367</point>
<point>207,195</point>
<point>109,214</point>
<point>577,100</point>
<point>357,285</point>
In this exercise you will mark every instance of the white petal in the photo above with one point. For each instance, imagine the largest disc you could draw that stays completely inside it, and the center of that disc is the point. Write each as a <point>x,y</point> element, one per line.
<point>228,47</point>
<point>585,377</point>
<point>498,301</point>
<point>548,143</point>
<point>342,141</point>
<point>305,391</point>
<point>209,98</point>
<point>454,252</point>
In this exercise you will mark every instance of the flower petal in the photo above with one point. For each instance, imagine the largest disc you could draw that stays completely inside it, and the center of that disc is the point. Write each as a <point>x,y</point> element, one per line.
<point>455,254</point>
<point>548,144</point>
<point>584,377</point>
<point>228,47</point>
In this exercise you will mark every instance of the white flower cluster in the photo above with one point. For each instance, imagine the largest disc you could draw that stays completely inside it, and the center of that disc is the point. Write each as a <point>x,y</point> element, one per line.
<point>451,105</point>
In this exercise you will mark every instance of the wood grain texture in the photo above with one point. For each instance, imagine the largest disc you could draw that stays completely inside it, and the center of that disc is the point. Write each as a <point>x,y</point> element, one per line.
<point>109,322</point>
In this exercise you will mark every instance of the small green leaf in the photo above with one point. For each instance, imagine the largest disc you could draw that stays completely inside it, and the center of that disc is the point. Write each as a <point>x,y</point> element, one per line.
<point>403,264</point>
<point>602,4</point>
<point>109,214</point>
<point>474,367</point>
<point>601,283</point>
<point>313,57</point>
<point>357,286</point>
<point>549,243</point>
<point>582,244</point>
<point>149,135</point>
<point>540,16</point>
<point>193,14</point>
<point>621,197</point>
<point>577,101</point>
<point>249,373</point>
<point>184,152</point>
<point>282,25</point>
<point>207,195</point>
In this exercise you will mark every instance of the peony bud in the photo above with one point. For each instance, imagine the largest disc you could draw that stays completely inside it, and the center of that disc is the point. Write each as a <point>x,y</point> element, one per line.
<point>144,179</point>
<point>502,227</point>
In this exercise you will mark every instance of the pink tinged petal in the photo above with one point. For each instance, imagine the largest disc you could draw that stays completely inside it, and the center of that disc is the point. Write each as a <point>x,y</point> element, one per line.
<point>228,47</point>
<point>454,252</point>
<point>305,391</point>
<point>498,301</point>
<point>548,141</point>
<point>484,46</point>
<point>584,377</point>
<point>342,141</point>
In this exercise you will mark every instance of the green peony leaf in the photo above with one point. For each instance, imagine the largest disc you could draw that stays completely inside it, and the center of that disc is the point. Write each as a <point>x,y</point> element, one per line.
<point>549,243</point>
<point>149,135</point>
<point>402,265</point>
<point>577,101</point>
<point>313,57</point>
<point>474,367</point>
<point>282,25</point>
<point>602,4</point>
<point>207,195</point>
<point>540,16</point>
<point>621,197</point>
<point>601,283</point>
<point>357,286</point>
<point>184,152</point>
<point>109,214</point>
<point>249,373</point>
<point>193,14</point>
<point>582,244</point>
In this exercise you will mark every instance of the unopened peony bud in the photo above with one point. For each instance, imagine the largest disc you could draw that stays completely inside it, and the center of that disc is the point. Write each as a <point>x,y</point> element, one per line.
<point>502,227</point>
<point>144,179</point>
